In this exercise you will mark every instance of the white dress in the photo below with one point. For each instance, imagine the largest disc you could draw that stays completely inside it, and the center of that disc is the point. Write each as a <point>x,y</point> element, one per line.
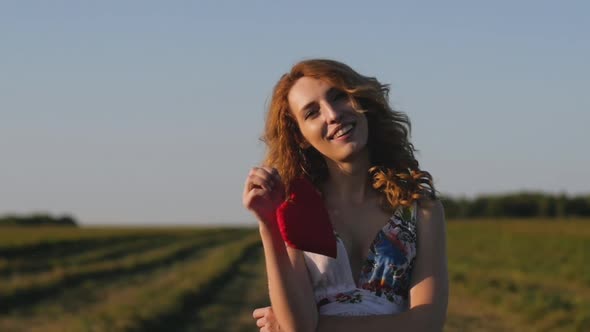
<point>384,279</point>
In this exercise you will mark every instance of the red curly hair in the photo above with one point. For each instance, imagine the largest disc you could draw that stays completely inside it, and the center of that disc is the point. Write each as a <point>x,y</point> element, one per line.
<point>394,170</point>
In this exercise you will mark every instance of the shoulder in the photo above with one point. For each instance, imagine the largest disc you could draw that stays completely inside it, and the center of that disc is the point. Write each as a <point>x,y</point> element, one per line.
<point>430,221</point>
<point>430,210</point>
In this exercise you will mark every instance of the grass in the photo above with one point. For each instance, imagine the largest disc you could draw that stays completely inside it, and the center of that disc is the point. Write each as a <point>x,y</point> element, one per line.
<point>161,303</point>
<point>536,269</point>
<point>22,290</point>
<point>506,275</point>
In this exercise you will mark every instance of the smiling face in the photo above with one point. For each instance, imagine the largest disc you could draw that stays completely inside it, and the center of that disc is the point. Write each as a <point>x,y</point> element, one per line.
<point>327,120</point>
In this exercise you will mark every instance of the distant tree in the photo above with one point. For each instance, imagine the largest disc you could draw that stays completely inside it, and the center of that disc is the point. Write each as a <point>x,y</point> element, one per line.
<point>517,205</point>
<point>37,219</point>
<point>453,207</point>
<point>560,205</point>
<point>578,206</point>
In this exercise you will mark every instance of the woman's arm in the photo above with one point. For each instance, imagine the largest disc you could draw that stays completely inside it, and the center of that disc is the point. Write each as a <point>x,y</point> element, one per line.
<point>428,294</point>
<point>291,294</point>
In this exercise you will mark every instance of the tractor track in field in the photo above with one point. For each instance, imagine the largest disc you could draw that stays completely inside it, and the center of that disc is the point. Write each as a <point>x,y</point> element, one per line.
<point>23,299</point>
<point>225,303</point>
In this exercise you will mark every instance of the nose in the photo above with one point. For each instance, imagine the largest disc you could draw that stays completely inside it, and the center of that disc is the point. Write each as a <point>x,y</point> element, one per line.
<point>331,113</point>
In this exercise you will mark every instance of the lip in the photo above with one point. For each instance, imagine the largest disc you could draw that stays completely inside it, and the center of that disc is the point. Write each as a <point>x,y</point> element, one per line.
<point>337,128</point>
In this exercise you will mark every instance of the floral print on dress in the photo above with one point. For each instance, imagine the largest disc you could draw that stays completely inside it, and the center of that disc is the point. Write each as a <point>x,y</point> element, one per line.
<point>353,296</point>
<point>387,269</point>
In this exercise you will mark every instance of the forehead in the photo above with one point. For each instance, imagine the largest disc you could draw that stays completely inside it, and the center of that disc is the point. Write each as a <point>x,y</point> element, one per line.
<point>306,90</point>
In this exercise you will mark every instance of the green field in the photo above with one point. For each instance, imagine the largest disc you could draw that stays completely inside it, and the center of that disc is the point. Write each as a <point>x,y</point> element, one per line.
<point>505,276</point>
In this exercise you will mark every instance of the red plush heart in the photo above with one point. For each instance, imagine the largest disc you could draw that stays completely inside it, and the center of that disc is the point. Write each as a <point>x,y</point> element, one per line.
<point>304,221</point>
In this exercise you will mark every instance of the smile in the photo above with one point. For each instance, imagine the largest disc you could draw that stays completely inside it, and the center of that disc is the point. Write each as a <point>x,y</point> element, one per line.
<point>343,131</point>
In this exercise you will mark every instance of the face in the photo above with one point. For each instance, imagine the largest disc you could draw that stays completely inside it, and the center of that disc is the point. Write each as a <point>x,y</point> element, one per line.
<point>327,119</point>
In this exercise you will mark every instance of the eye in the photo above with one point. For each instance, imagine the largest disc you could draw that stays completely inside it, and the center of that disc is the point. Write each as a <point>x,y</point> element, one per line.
<point>339,95</point>
<point>310,113</point>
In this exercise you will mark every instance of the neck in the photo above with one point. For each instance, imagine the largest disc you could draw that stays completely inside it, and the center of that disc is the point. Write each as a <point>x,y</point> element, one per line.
<point>348,182</point>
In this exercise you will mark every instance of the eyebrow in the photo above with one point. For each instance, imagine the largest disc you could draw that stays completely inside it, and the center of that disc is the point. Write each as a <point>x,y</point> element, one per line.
<point>307,106</point>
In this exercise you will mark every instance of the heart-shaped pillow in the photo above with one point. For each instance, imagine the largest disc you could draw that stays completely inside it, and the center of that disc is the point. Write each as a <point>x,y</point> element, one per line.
<point>304,221</point>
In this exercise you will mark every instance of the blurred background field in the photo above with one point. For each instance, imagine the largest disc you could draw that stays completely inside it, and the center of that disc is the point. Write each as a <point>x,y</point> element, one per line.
<point>506,275</point>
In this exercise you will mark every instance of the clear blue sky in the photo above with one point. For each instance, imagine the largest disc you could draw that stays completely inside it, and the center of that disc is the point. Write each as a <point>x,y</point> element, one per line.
<point>139,112</point>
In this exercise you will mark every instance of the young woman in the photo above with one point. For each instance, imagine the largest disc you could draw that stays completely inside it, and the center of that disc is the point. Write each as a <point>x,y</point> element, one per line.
<point>333,126</point>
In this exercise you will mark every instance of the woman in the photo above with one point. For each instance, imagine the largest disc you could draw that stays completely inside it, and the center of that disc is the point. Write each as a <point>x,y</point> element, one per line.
<point>335,127</point>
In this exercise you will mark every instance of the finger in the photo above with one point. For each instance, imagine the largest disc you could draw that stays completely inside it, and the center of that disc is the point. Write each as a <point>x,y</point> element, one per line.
<point>264,171</point>
<point>262,177</point>
<point>261,322</point>
<point>251,190</point>
<point>247,184</point>
<point>273,172</point>
<point>260,312</point>
<point>276,174</point>
<point>251,196</point>
<point>256,180</point>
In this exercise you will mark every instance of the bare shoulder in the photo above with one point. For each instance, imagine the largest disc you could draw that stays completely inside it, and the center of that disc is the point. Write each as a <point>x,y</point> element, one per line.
<point>430,222</point>
<point>430,210</point>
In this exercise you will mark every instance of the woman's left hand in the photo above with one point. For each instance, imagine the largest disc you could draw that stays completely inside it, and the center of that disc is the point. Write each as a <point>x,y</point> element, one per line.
<point>266,320</point>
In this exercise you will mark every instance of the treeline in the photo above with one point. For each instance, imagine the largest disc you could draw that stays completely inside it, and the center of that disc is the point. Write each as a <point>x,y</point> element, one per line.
<point>37,219</point>
<point>518,205</point>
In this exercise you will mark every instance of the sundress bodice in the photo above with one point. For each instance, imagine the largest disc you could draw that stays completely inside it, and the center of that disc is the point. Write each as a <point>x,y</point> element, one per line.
<point>384,280</point>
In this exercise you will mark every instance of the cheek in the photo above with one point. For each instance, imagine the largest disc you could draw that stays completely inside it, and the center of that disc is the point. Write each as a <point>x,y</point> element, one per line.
<point>311,131</point>
<point>365,128</point>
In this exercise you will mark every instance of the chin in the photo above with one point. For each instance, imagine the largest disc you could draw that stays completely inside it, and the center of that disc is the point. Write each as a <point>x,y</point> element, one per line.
<point>353,152</point>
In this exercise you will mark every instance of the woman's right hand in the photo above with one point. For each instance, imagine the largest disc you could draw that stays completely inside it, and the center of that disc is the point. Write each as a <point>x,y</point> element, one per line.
<point>263,193</point>
<point>266,320</point>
